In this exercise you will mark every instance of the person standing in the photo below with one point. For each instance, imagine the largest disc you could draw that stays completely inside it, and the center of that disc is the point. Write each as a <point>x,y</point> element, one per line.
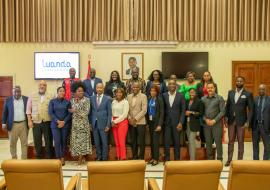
<point>137,121</point>
<point>202,86</point>
<point>120,109</point>
<point>174,77</point>
<point>156,78</point>
<point>60,124</point>
<point>190,83</point>
<point>91,83</point>
<point>135,78</point>
<point>238,102</point>
<point>14,120</point>
<point>212,118</point>
<point>68,83</point>
<point>261,124</point>
<point>80,143</point>
<point>175,107</point>
<point>194,111</point>
<point>101,115</point>
<point>201,92</point>
<point>114,83</point>
<point>155,117</point>
<point>39,119</point>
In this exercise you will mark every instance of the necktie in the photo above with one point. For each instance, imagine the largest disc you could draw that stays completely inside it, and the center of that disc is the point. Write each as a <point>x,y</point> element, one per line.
<point>260,109</point>
<point>98,100</point>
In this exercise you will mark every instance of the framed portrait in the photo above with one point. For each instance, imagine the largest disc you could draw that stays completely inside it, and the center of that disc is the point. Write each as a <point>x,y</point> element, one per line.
<point>132,61</point>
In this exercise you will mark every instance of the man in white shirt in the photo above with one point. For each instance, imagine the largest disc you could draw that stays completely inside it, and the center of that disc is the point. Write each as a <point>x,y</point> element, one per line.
<point>101,115</point>
<point>14,120</point>
<point>175,107</point>
<point>91,83</point>
<point>237,117</point>
<point>40,120</point>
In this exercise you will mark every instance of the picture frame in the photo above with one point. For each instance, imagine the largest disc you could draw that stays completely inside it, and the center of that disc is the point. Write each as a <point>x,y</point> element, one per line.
<point>129,61</point>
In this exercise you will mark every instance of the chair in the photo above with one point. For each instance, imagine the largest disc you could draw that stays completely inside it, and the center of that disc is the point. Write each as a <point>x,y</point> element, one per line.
<point>2,184</point>
<point>249,175</point>
<point>36,174</point>
<point>115,175</point>
<point>190,175</point>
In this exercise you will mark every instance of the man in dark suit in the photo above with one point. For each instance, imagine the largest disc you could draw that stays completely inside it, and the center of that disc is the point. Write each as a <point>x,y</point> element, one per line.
<point>261,124</point>
<point>14,120</point>
<point>175,107</point>
<point>237,116</point>
<point>101,115</point>
<point>91,83</point>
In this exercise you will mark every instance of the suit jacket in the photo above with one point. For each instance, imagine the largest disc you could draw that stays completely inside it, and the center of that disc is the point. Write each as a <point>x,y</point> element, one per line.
<point>175,114</point>
<point>89,90</point>
<point>238,111</point>
<point>195,119</point>
<point>266,114</point>
<point>8,111</point>
<point>101,116</point>
<point>158,119</point>
<point>139,109</point>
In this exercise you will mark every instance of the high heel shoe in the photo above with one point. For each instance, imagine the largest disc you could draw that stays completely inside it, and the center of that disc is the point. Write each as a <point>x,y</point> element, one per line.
<point>150,161</point>
<point>63,161</point>
<point>154,163</point>
<point>80,160</point>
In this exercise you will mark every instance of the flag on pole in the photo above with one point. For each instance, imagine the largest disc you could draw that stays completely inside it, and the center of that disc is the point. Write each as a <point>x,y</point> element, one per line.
<point>89,68</point>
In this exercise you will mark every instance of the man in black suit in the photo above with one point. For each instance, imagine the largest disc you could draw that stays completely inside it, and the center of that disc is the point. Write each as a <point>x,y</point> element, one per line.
<point>174,118</point>
<point>261,124</point>
<point>237,116</point>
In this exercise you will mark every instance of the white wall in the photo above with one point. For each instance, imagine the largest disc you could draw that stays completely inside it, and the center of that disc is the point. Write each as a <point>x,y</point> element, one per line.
<point>17,59</point>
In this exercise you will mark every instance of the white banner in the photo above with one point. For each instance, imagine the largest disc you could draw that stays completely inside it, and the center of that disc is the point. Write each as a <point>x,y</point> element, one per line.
<point>56,65</point>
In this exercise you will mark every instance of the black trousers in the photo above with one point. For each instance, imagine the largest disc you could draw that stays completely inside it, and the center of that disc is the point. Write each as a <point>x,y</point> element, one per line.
<point>138,141</point>
<point>171,132</point>
<point>258,133</point>
<point>44,129</point>
<point>154,140</point>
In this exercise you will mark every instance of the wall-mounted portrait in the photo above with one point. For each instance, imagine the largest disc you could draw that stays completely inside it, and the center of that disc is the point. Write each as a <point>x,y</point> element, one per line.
<point>132,61</point>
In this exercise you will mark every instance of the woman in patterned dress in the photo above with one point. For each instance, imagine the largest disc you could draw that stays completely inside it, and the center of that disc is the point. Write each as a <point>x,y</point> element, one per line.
<point>80,143</point>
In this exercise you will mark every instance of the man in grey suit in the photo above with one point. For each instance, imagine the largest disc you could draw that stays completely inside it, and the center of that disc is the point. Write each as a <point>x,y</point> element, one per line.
<point>214,111</point>
<point>101,115</point>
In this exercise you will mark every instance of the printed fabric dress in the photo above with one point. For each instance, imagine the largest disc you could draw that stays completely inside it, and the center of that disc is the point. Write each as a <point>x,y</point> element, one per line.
<point>80,142</point>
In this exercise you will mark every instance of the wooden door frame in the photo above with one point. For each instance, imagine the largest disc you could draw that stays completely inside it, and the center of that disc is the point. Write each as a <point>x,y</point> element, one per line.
<point>5,135</point>
<point>237,62</point>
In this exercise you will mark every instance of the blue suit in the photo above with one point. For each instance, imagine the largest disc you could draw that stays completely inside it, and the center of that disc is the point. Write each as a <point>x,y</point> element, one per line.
<point>8,111</point>
<point>89,90</point>
<point>100,119</point>
<point>58,110</point>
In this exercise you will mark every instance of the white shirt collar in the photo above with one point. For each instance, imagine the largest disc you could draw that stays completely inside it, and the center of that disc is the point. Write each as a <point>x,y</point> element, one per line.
<point>240,91</point>
<point>171,94</point>
<point>17,99</point>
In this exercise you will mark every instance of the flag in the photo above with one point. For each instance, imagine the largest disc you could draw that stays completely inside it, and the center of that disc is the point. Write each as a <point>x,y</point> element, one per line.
<point>89,69</point>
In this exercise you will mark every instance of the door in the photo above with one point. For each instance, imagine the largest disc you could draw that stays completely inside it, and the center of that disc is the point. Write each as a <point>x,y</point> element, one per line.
<point>6,85</point>
<point>255,73</point>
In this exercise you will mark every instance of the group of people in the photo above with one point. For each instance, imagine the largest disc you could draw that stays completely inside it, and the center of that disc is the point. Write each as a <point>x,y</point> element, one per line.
<point>170,110</point>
